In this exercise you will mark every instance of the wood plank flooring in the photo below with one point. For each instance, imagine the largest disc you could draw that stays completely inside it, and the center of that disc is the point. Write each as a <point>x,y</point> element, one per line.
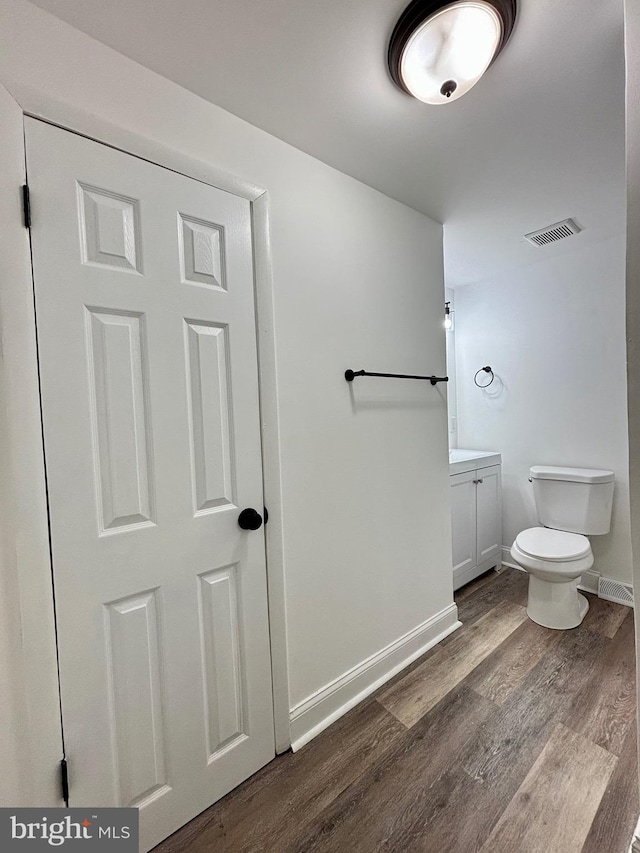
<point>505,738</point>
<point>566,782</point>
<point>411,697</point>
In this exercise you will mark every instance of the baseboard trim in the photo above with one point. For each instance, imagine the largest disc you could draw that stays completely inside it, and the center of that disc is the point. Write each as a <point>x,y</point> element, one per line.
<point>591,581</point>
<point>327,705</point>
<point>507,559</point>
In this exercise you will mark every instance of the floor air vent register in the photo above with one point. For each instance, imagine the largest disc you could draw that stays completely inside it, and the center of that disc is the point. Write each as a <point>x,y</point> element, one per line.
<point>615,591</point>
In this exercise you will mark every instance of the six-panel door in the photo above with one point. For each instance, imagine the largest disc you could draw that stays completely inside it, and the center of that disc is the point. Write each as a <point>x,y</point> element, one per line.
<point>147,349</point>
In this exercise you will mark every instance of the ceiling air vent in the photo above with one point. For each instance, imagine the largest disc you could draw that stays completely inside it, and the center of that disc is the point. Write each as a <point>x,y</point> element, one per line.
<point>557,231</point>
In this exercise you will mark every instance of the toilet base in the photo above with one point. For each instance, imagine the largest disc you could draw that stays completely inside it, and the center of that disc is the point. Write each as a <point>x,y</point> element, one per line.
<point>556,605</point>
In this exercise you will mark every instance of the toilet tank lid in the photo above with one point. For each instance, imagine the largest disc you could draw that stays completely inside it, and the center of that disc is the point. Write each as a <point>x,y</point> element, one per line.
<point>571,475</point>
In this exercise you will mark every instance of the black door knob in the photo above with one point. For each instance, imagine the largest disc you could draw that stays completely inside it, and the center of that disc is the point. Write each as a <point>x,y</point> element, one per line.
<point>249,519</point>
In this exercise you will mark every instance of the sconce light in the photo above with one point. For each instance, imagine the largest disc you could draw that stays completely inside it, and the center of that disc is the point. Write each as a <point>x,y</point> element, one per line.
<point>448,317</point>
<point>439,50</point>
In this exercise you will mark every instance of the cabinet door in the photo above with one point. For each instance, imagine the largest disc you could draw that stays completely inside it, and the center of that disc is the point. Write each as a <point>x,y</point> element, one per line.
<point>463,521</point>
<point>489,514</point>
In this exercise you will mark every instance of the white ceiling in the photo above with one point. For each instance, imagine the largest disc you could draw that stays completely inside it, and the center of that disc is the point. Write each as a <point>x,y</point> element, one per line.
<point>540,138</point>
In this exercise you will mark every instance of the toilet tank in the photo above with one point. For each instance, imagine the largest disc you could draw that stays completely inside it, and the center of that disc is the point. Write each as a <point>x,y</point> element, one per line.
<point>578,500</point>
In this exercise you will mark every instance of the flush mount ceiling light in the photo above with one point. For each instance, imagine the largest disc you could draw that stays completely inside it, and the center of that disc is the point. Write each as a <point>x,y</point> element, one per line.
<point>438,51</point>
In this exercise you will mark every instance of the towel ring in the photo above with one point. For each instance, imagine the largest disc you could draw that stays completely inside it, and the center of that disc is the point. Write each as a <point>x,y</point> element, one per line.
<point>486,370</point>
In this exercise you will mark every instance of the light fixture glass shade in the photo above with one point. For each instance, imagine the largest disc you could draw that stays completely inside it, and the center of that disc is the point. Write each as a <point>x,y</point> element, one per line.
<point>450,51</point>
<point>448,317</point>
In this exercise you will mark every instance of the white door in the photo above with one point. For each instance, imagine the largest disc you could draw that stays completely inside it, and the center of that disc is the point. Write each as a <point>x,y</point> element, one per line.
<point>463,524</point>
<point>489,514</point>
<point>147,350</point>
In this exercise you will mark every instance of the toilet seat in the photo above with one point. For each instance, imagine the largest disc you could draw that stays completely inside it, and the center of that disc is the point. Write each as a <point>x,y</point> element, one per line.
<point>552,546</point>
<point>555,571</point>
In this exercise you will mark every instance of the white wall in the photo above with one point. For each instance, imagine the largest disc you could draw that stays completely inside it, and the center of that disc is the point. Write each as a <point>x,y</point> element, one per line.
<point>554,334</point>
<point>358,282</point>
<point>632,51</point>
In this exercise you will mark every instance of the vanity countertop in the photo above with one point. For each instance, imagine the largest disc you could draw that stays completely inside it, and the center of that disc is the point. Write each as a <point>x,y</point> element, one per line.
<point>469,460</point>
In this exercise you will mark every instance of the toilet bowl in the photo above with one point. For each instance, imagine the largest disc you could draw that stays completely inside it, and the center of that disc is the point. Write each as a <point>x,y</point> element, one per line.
<point>555,561</point>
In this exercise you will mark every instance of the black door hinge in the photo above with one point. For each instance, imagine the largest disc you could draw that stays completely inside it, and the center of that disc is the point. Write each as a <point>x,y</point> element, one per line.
<point>64,781</point>
<point>26,206</point>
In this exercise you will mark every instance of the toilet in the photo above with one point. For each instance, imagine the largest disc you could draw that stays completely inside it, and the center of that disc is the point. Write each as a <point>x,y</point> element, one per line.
<point>571,503</point>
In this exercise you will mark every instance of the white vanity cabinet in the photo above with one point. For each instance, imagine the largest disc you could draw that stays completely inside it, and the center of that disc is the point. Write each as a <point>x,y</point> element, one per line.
<point>476,513</point>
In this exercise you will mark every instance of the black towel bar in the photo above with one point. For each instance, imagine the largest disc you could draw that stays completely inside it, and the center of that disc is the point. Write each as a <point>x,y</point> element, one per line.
<point>350,375</point>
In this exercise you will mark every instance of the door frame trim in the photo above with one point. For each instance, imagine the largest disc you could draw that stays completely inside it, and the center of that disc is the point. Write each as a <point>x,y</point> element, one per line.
<point>28,655</point>
<point>35,104</point>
